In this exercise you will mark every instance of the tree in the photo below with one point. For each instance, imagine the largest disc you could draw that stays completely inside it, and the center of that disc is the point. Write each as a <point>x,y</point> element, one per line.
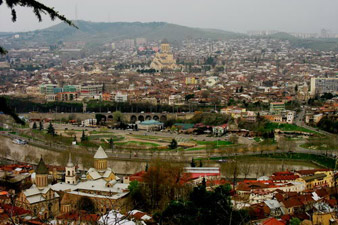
<point>40,125</point>
<point>118,117</point>
<point>6,109</point>
<point>50,129</point>
<point>161,184</point>
<point>241,89</point>
<point>296,88</point>
<point>38,9</point>
<point>294,221</point>
<point>203,208</point>
<point>135,193</point>
<point>233,139</point>
<point>173,144</point>
<point>111,143</point>
<point>34,126</point>
<point>84,137</point>
<point>193,164</point>
<point>204,183</point>
<point>201,164</point>
<point>245,169</point>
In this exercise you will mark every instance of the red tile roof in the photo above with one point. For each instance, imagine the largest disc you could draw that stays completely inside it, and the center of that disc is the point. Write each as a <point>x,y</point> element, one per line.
<point>272,221</point>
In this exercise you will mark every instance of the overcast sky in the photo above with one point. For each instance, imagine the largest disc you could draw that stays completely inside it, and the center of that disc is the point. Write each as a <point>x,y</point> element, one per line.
<point>231,15</point>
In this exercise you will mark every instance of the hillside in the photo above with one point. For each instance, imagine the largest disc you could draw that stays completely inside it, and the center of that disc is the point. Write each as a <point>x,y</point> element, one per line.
<point>103,32</point>
<point>320,44</point>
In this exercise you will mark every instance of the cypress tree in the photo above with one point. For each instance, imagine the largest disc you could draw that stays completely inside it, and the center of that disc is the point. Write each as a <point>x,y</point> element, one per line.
<point>50,129</point>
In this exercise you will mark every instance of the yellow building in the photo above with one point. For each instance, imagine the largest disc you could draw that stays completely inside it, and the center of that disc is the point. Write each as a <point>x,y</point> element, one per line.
<point>320,178</point>
<point>100,170</point>
<point>191,80</point>
<point>328,218</point>
<point>164,59</point>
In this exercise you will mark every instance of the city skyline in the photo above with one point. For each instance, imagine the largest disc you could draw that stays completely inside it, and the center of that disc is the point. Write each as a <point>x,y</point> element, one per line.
<point>238,16</point>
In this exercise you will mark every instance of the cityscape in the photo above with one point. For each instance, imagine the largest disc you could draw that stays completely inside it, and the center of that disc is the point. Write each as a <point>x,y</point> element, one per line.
<point>146,123</point>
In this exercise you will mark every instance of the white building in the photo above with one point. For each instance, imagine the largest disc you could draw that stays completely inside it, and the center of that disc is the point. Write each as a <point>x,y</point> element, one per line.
<point>119,97</point>
<point>324,85</point>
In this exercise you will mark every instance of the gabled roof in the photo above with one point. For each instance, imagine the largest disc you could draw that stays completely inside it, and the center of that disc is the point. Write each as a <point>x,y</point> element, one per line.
<point>100,154</point>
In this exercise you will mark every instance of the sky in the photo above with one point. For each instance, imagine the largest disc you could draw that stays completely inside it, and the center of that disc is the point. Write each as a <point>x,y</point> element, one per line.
<point>306,16</point>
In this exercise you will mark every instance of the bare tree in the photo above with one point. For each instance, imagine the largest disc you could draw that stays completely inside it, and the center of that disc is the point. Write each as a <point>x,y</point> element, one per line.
<point>246,169</point>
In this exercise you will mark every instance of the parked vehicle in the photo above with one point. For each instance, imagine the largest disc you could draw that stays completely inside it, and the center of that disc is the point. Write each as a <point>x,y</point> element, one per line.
<point>19,141</point>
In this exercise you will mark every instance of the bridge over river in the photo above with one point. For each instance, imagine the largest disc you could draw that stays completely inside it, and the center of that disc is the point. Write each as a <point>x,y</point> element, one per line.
<point>129,117</point>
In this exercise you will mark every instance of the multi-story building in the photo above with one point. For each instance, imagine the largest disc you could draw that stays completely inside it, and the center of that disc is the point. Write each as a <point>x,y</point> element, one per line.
<point>324,85</point>
<point>47,89</point>
<point>91,89</point>
<point>276,107</point>
<point>119,97</point>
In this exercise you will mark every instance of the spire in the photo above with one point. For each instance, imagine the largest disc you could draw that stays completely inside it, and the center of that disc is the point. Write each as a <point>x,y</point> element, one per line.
<point>41,168</point>
<point>70,164</point>
<point>100,154</point>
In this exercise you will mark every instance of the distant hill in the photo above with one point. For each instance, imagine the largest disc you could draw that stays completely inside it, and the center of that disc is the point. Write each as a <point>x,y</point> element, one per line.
<point>321,44</point>
<point>103,32</point>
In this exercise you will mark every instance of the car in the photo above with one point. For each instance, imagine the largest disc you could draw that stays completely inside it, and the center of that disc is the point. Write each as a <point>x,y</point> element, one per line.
<point>19,141</point>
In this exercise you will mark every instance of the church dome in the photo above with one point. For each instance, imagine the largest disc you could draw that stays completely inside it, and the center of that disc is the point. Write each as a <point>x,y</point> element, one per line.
<point>100,154</point>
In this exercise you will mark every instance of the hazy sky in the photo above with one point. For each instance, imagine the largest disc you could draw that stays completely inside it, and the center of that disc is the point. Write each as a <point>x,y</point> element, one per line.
<point>232,15</point>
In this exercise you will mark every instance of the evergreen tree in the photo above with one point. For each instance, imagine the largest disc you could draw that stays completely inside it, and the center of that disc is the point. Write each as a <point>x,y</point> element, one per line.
<point>201,164</point>
<point>40,126</point>
<point>193,164</point>
<point>84,137</point>
<point>296,88</point>
<point>173,144</point>
<point>34,126</point>
<point>50,129</point>
<point>241,89</point>
<point>204,183</point>
<point>111,143</point>
<point>147,166</point>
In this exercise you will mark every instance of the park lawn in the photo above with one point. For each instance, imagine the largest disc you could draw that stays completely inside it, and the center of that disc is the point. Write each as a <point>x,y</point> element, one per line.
<point>195,148</point>
<point>319,159</point>
<point>99,132</point>
<point>115,138</point>
<point>219,143</point>
<point>286,127</point>
<point>153,138</point>
<point>318,146</point>
<point>137,143</point>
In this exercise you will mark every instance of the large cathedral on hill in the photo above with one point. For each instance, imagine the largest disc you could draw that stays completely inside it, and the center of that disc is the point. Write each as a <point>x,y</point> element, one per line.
<point>164,60</point>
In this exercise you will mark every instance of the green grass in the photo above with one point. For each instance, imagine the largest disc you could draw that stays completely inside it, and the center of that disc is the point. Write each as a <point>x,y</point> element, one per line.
<point>97,137</point>
<point>286,127</point>
<point>319,159</point>
<point>99,132</point>
<point>137,143</point>
<point>257,139</point>
<point>319,146</point>
<point>219,143</point>
<point>195,148</point>
<point>3,129</point>
<point>153,138</point>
